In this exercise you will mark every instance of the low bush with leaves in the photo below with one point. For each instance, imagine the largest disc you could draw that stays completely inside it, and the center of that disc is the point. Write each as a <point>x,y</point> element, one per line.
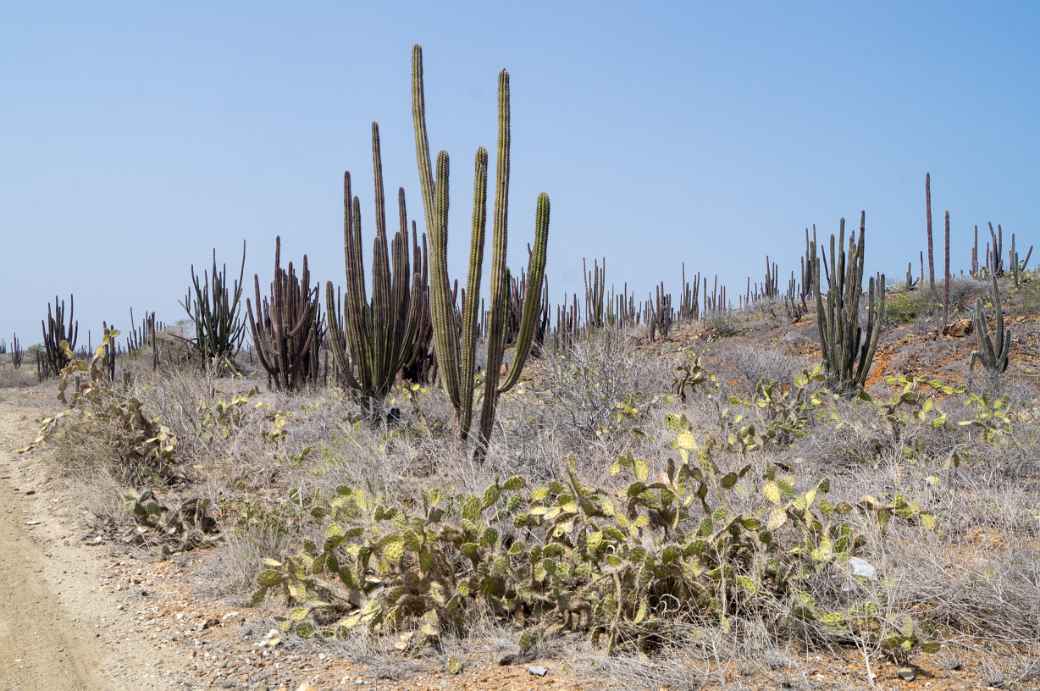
<point>622,564</point>
<point>140,448</point>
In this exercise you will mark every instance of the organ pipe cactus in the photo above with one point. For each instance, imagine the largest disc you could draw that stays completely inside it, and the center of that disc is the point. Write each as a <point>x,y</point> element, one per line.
<point>595,292</point>
<point>848,350</point>
<point>993,349</point>
<point>456,348</point>
<point>285,327</point>
<point>16,352</point>
<point>215,309</point>
<point>375,339</point>
<point>57,330</point>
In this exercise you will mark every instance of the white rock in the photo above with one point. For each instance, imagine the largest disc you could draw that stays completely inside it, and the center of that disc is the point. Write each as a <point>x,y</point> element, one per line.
<point>862,568</point>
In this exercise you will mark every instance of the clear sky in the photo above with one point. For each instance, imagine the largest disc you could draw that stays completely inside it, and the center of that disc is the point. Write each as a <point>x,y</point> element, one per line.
<point>136,136</point>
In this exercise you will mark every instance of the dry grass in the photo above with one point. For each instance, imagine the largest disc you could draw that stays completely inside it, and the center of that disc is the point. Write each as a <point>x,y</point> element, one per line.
<point>976,579</point>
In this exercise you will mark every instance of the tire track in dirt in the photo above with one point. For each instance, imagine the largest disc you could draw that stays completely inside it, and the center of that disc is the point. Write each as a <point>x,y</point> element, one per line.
<point>39,647</point>
<point>58,628</point>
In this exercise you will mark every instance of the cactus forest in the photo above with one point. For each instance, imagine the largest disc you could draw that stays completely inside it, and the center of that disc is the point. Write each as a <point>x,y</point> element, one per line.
<point>437,474</point>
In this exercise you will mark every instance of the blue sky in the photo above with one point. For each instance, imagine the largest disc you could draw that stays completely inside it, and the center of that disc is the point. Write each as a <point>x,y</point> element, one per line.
<point>136,136</point>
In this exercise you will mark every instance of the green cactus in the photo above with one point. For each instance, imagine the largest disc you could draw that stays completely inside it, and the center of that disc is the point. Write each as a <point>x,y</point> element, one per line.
<point>993,349</point>
<point>285,328</point>
<point>17,354</point>
<point>215,309</point>
<point>57,330</point>
<point>456,349</point>
<point>847,350</point>
<point>374,340</point>
<point>660,314</point>
<point>946,271</point>
<point>928,224</point>
<point>595,293</point>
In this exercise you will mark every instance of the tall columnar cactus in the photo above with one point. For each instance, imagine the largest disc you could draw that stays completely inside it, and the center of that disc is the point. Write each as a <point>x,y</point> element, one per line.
<point>1018,266</point>
<point>375,339</point>
<point>595,293</point>
<point>928,221</point>
<point>17,353</point>
<point>285,327</point>
<point>946,272</point>
<point>659,313</point>
<point>910,282</point>
<point>689,304</point>
<point>455,349</point>
<point>771,283</point>
<point>993,349</point>
<point>995,255</point>
<point>56,329</point>
<point>975,255</point>
<point>847,349</point>
<point>215,309</point>
<point>807,265</point>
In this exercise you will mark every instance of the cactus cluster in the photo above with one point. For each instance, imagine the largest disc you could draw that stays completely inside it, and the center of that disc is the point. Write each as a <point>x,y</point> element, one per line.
<point>1018,266</point>
<point>993,348</point>
<point>847,349</point>
<point>17,354</point>
<point>595,293</point>
<point>659,313</point>
<point>455,336</point>
<point>373,340</point>
<point>53,357</point>
<point>215,309</point>
<point>286,327</point>
<point>689,302</point>
<point>147,335</point>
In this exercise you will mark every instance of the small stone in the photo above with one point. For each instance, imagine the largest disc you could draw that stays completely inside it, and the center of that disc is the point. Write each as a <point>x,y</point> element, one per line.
<point>906,673</point>
<point>537,671</point>
<point>862,568</point>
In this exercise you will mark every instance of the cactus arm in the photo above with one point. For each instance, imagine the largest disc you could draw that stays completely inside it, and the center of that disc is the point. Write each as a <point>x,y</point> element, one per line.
<point>876,314</point>
<point>355,304</point>
<point>446,344</point>
<point>470,298</point>
<point>336,339</point>
<point>985,345</point>
<point>536,274</point>
<point>499,286</point>
<point>422,139</point>
<point>379,322</point>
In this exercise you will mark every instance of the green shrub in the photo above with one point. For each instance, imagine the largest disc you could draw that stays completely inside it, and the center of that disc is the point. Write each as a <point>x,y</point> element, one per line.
<point>622,566</point>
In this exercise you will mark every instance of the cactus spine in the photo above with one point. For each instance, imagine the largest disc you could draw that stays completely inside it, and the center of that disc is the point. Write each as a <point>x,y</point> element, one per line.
<point>847,350</point>
<point>372,341</point>
<point>456,360</point>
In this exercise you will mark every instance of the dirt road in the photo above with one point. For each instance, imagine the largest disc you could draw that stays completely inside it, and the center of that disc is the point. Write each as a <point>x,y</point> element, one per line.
<point>58,628</point>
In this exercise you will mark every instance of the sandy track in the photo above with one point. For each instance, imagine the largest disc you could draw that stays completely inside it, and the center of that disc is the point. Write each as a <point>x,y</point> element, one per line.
<point>58,628</point>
